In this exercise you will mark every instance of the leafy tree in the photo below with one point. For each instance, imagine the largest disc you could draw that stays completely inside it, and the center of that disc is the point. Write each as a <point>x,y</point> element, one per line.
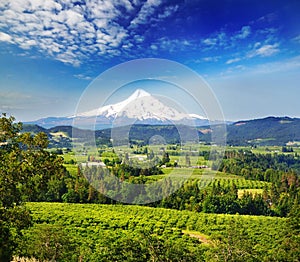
<point>289,249</point>
<point>235,245</point>
<point>165,158</point>
<point>187,160</point>
<point>25,171</point>
<point>49,243</point>
<point>13,216</point>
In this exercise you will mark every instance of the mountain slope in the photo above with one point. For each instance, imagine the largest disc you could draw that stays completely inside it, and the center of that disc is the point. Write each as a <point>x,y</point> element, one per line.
<point>265,131</point>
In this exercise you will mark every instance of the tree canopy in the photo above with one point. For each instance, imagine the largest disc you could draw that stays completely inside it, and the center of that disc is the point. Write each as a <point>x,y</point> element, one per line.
<point>25,170</point>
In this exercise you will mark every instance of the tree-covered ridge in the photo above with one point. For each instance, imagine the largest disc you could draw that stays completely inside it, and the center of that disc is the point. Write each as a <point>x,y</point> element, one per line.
<point>266,131</point>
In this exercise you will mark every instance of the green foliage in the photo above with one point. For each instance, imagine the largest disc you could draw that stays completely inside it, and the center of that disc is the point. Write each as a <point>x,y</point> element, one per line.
<point>48,242</point>
<point>135,233</point>
<point>165,158</point>
<point>236,245</point>
<point>289,249</point>
<point>27,172</point>
<point>13,217</point>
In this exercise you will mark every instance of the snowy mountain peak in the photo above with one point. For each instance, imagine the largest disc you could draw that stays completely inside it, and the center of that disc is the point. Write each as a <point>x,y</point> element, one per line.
<point>140,107</point>
<point>138,94</point>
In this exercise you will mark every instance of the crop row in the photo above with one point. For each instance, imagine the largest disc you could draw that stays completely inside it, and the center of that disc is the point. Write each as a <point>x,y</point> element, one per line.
<point>240,183</point>
<point>94,220</point>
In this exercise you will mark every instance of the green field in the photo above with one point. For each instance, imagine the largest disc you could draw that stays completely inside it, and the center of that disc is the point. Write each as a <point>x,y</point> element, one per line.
<point>95,230</point>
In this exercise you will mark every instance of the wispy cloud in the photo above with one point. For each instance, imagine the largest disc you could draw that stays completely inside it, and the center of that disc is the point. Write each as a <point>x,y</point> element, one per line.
<point>13,100</point>
<point>258,50</point>
<point>234,60</point>
<point>83,77</point>
<point>264,51</point>
<point>286,65</point>
<point>145,12</point>
<point>243,33</point>
<point>223,39</point>
<point>173,45</point>
<point>296,39</point>
<point>216,40</point>
<point>211,58</point>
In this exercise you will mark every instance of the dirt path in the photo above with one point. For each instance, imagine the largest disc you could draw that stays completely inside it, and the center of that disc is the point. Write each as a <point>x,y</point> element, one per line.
<point>202,238</point>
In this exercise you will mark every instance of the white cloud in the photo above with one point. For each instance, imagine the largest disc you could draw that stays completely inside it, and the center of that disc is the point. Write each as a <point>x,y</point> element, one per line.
<point>210,41</point>
<point>243,33</point>
<point>152,12</point>
<point>27,44</point>
<point>219,39</point>
<point>5,37</point>
<point>154,47</point>
<point>234,60</point>
<point>71,32</point>
<point>268,18</point>
<point>169,10</point>
<point>211,58</point>
<point>264,51</point>
<point>83,77</point>
<point>174,45</point>
<point>146,12</point>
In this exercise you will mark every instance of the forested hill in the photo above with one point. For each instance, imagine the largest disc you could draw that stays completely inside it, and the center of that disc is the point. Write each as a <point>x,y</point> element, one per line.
<point>266,131</point>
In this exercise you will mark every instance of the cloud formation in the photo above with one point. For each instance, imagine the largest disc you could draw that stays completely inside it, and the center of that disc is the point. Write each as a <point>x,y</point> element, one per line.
<point>72,31</point>
<point>99,31</point>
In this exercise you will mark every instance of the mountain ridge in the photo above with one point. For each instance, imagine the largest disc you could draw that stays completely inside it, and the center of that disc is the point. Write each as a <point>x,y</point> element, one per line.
<point>263,131</point>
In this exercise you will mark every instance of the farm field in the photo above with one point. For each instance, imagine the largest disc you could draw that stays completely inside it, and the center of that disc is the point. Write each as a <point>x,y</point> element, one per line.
<point>229,204</point>
<point>95,231</point>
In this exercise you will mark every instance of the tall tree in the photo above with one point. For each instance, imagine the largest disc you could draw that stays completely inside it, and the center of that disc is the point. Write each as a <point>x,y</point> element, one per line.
<point>25,168</point>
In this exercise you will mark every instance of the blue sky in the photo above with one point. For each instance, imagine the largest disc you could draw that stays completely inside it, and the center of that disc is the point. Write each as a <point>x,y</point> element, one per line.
<point>247,51</point>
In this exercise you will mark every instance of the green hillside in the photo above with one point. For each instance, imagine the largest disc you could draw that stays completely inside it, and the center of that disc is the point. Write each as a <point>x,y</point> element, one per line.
<point>134,233</point>
<point>266,131</point>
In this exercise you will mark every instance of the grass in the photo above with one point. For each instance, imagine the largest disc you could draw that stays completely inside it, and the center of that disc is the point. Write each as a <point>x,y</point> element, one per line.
<point>72,169</point>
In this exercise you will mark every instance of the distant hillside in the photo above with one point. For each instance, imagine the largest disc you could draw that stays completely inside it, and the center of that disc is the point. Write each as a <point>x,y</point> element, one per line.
<point>266,131</point>
<point>33,129</point>
<point>60,136</point>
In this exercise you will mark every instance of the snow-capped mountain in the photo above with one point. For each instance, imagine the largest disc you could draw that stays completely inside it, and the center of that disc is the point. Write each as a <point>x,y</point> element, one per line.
<point>111,111</point>
<point>139,108</point>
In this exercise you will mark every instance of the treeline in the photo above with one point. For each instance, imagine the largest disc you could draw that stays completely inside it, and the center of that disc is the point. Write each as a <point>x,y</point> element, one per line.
<point>215,199</point>
<point>93,185</point>
<point>282,170</point>
<point>96,184</point>
<point>264,167</point>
